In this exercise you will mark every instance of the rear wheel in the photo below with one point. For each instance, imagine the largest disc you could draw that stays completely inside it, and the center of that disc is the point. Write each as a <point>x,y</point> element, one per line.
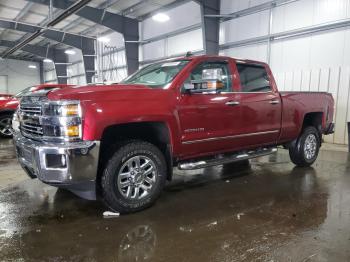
<point>134,177</point>
<point>5,126</point>
<point>305,150</point>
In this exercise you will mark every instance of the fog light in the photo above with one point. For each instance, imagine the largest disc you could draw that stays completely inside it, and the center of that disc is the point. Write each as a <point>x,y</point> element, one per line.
<point>72,131</point>
<point>56,161</point>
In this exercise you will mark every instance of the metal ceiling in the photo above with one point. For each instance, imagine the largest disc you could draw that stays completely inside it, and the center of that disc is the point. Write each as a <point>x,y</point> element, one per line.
<point>37,14</point>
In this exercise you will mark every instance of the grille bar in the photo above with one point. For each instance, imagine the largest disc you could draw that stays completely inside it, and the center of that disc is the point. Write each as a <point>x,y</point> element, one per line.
<point>32,130</point>
<point>31,110</point>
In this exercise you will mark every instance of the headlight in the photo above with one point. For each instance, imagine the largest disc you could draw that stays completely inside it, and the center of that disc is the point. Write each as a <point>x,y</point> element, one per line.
<point>63,108</point>
<point>15,122</point>
<point>64,119</point>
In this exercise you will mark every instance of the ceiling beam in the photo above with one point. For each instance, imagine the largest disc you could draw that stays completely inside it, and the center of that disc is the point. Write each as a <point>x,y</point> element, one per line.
<point>127,26</point>
<point>85,44</point>
<point>75,7</point>
<point>39,51</point>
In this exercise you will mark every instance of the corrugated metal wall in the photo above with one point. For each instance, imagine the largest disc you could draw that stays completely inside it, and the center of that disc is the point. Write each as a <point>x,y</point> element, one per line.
<point>186,16</point>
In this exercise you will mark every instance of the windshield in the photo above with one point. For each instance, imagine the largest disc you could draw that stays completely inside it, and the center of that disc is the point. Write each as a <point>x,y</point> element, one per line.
<point>158,75</point>
<point>24,91</point>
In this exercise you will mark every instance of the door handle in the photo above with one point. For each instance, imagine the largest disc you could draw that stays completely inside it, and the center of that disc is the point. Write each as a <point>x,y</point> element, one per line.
<point>274,102</point>
<point>232,103</point>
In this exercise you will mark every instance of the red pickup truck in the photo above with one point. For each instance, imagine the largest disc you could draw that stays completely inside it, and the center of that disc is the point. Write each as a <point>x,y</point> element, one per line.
<point>9,104</point>
<point>120,142</point>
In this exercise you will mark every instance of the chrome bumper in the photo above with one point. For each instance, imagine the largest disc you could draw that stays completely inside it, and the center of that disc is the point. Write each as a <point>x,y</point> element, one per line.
<point>77,163</point>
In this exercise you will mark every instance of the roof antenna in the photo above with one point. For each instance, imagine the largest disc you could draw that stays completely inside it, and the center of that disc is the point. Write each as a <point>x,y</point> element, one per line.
<point>189,53</point>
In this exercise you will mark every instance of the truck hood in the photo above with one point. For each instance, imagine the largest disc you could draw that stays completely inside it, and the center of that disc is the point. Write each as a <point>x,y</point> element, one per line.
<point>100,92</point>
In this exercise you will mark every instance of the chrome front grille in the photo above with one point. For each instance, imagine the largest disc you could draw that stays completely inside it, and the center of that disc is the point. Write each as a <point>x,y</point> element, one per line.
<point>34,129</point>
<point>30,111</point>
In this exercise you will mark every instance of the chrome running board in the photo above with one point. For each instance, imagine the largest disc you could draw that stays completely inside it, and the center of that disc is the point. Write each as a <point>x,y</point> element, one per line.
<point>227,158</point>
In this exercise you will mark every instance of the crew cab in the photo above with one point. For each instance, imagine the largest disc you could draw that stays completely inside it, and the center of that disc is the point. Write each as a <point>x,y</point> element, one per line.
<point>119,143</point>
<point>9,104</point>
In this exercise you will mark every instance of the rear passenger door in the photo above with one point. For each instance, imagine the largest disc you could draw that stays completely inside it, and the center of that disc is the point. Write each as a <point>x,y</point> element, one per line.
<point>260,104</point>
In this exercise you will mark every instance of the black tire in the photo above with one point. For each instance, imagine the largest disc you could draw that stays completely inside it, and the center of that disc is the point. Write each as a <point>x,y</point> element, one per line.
<point>297,152</point>
<point>111,193</point>
<point>5,126</point>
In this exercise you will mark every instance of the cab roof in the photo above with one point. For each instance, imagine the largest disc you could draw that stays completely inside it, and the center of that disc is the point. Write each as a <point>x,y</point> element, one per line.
<point>205,57</point>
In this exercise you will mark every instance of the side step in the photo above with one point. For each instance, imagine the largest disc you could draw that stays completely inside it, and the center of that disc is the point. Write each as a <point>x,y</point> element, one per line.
<point>203,163</point>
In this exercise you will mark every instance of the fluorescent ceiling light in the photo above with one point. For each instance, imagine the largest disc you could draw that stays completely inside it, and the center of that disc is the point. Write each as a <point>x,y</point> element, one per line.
<point>160,17</point>
<point>70,52</point>
<point>46,60</point>
<point>103,39</point>
<point>32,66</point>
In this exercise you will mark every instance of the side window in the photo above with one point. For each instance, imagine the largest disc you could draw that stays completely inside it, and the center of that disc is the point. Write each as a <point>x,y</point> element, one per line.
<point>254,78</point>
<point>212,70</point>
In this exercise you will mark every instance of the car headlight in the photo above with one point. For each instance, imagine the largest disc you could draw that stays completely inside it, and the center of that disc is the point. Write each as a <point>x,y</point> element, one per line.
<point>65,117</point>
<point>15,122</point>
<point>64,108</point>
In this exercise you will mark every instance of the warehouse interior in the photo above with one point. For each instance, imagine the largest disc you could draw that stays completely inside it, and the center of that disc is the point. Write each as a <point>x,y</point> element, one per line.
<point>263,210</point>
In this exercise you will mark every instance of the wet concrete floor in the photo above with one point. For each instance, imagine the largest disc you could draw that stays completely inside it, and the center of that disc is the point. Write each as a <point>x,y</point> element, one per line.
<point>264,211</point>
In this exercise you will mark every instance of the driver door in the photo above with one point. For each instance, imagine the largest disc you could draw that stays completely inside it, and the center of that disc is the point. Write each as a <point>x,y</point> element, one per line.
<point>207,119</point>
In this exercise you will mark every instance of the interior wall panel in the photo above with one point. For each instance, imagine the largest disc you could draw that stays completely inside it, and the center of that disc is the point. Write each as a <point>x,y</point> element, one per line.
<point>179,44</point>
<point>178,20</point>
<point>229,6</point>
<point>342,99</point>
<point>18,75</point>
<point>154,50</point>
<point>244,27</point>
<point>304,13</point>
<point>256,52</point>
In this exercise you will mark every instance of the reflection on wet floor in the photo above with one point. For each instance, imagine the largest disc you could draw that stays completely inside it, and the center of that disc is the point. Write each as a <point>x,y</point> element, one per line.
<point>263,211</point>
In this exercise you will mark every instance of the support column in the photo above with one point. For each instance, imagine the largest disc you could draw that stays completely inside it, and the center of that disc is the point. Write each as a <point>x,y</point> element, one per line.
<point>89,54</point>
<point>211,26</point>
<point>41,72</point>
<point>60,60</point>
<point>131,53</point>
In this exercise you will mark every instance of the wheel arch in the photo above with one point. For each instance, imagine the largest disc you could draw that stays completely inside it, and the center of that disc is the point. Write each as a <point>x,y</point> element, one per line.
<point>7,112</point>
<point>114,136</point>
<point>314,119</point>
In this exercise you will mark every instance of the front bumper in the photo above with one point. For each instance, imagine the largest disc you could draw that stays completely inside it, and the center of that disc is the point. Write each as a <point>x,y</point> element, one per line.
<point>75,170</point>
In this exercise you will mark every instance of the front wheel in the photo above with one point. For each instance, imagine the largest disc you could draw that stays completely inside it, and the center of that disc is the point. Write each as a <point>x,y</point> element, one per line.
<point>134,177</point>
<point>305,150</point>
<point>5,126</point>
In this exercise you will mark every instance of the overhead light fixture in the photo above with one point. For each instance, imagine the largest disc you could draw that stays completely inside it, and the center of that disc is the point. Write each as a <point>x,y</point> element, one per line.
<point>32,66</point>
<point>46,60</point>
<point>160,17</point>
<point>103,39</point>
<point>70,52</point>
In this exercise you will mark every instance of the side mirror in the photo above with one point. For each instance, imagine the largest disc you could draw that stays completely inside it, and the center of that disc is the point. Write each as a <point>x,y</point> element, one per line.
<point>211,82</point>
<point>204,86</point>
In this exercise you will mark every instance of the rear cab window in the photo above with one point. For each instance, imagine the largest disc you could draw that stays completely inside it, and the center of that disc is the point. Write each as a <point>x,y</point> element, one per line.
<point>253,78</point>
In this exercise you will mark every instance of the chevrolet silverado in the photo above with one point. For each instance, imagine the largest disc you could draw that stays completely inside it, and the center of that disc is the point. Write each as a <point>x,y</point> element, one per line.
<point>119,143</point>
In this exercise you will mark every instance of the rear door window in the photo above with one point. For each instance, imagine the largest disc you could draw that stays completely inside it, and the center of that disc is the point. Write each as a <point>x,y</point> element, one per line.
<point>253,78</point>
